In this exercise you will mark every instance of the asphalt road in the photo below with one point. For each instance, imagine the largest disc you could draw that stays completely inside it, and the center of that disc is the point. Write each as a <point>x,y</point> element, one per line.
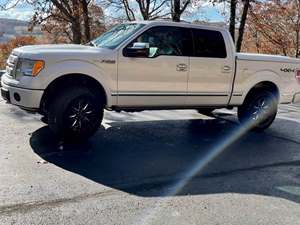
<point>135,170</point>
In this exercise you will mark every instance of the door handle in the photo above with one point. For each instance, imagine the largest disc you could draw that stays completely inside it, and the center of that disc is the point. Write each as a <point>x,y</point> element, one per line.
<point>181,67</point>
<point>226,69</point>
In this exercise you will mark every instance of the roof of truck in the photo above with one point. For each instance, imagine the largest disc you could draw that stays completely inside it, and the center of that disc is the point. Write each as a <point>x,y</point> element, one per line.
<point>180,24</point>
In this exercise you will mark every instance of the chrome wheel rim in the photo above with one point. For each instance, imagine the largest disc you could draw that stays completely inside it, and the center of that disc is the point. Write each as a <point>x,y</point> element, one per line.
<point>81,115</point>
<point>261,110</point>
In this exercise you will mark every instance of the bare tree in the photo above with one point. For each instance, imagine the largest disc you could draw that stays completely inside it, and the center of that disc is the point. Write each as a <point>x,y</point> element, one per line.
<point>233,4</point>
<point>86,19</point>
<point>72,16</point>
<point>177,8</point>
<point>233,19</point>
<point>146,9</point>
<point>242,25</point>
<point>6,5</point>
<point>275,26</point>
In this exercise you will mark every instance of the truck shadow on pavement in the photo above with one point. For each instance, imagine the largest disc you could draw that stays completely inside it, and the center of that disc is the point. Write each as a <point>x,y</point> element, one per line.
<point>149,158</point>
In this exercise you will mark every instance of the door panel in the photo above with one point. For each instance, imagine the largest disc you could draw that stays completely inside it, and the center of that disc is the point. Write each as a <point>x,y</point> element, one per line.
<point>161,78</point>
<point>211,70</point>
<point>151,82</point>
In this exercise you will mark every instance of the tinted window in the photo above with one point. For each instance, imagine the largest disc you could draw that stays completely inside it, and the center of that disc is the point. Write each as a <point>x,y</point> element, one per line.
<point>173,41</point>
<point>209,44</point>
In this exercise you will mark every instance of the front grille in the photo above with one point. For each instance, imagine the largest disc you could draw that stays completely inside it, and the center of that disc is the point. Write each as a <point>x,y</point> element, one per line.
<point>5,95</point>
<point>11,65</point>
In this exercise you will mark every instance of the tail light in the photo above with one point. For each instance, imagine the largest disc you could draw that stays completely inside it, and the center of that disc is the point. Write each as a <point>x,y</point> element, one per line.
<point>298,76</point>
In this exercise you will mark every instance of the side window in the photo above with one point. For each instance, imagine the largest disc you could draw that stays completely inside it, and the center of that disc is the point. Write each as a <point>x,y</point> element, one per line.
<point>209,44</point>
<point>164,40</point>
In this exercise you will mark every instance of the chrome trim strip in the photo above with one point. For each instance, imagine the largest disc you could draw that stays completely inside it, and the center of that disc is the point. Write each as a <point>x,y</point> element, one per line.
<point>174,94</point>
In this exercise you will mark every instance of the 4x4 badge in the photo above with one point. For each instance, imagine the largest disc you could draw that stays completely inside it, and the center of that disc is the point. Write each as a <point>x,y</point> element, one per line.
<point>287,70</point>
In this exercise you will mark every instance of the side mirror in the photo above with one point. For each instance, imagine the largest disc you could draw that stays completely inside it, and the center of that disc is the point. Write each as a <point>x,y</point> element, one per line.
<point>138,50</point>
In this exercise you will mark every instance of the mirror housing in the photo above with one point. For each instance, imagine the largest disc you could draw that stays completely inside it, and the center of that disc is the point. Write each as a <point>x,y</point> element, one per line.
<point>138,50</point>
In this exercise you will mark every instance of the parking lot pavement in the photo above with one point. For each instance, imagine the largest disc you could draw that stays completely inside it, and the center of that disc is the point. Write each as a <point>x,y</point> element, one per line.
<point>133,171</point>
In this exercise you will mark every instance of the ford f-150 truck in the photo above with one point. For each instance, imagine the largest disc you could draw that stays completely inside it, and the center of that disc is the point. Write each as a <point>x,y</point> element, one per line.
<point>147,65</point>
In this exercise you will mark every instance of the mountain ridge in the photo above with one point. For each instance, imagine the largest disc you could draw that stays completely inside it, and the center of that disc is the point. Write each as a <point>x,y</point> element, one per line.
<point>11,28</point>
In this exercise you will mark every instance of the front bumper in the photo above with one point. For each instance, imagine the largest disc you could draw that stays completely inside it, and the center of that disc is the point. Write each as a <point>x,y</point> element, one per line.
<point>25,98</point>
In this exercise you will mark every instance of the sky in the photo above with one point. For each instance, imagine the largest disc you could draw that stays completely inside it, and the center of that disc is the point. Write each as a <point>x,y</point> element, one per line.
<point>24,11</point>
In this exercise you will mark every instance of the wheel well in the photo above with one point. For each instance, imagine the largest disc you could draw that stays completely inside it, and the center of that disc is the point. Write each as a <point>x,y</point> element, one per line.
<point>266,85</point>
<point>71,79</point>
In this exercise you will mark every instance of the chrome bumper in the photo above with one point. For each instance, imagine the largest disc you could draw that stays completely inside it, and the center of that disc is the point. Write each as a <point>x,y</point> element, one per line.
<point>24,98</point>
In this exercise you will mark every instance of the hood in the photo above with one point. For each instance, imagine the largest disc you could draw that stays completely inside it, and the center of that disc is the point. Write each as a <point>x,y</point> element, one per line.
<point>40,51</point>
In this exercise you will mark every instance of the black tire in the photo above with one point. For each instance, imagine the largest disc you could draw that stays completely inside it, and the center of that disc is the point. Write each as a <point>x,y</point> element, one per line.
<point>44,119</point>
<point>75,114</point>
<point>206,112</point>
<point>258,110</point>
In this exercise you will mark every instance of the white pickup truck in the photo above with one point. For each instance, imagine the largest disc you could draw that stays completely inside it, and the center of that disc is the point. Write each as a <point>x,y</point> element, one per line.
<point>147,65</point>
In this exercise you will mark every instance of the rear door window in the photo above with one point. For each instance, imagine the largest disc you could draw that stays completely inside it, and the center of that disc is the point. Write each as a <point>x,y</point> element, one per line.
<point>209,44</point>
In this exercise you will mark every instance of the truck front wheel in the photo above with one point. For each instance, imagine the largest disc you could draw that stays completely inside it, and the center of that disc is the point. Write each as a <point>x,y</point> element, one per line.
<point>258,110</point>
<point>75,114</point>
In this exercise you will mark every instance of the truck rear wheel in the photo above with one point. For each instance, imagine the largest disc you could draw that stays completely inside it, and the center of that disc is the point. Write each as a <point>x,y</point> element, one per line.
<point>75,114</point>
<point>259,110</point>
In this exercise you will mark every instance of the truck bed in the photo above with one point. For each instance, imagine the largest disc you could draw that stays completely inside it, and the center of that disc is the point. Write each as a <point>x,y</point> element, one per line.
<point>278,69</point>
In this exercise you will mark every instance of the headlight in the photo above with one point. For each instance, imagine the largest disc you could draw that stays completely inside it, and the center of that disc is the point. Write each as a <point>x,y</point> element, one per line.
<point>27,67</point>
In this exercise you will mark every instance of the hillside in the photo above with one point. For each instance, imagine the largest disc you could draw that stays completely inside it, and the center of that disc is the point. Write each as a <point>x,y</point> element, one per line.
<point>10,28</point>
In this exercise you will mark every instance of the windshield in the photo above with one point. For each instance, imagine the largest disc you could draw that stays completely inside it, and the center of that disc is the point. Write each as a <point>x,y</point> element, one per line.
<point>114,37</point>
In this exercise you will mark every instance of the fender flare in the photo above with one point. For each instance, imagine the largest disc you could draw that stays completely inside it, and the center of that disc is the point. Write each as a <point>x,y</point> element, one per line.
<point>260,77</point>
<point>68,67</point>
